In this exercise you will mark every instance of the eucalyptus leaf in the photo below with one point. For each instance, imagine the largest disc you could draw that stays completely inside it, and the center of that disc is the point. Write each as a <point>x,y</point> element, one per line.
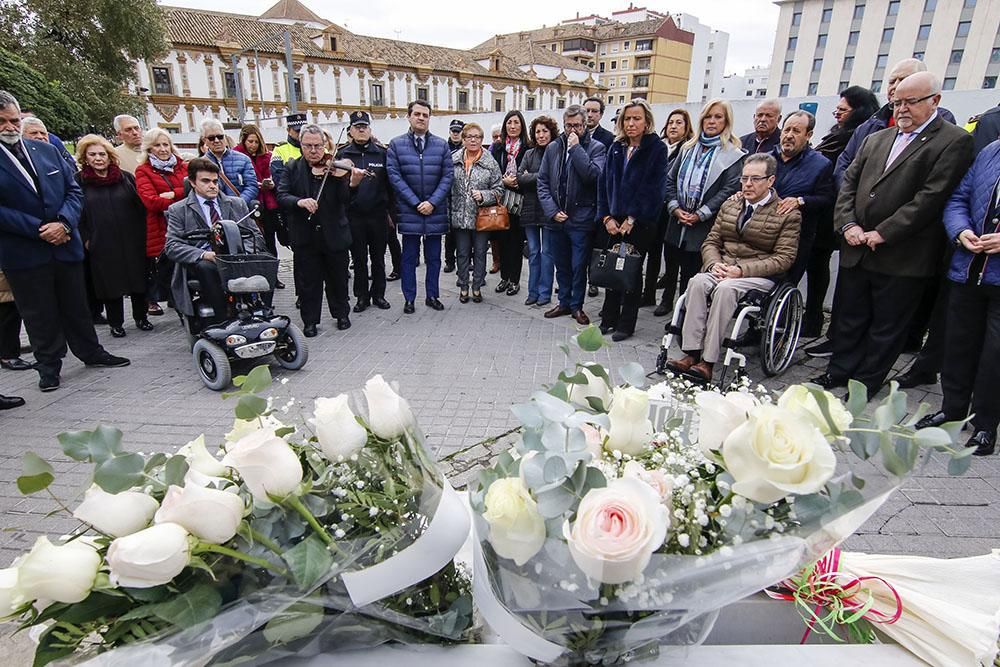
<point>933,437</point>
<point>155,461</point>
<point>533,471</point>
<point>552,408</point>
<point>576,441</point>
<point>890,459</point>
<point>554,437</point>
<point>857,441</point>
<point>883,418</point>
<point>257,380</point>
<point>858,482</point>
<point>590,339</point>
<point>954,429</point>
<point>897,402</point>
<point>633,374</point>
<point>922,410</point>
<point>597,370</point>
<point>528,414</point>
<point>559,390</point>
<point>579,378</point>
<point>175,470</point>
<point>250,407</point>
<point>96,446</point>
<point>595,480</point>
<point>596,404</point>
<point>857,397</point>
<point>284,430</point>
<point>120,473</point>
<point>959,466</point>
<point>37,474</point>
<point>554,469</point>
<point>309,561</point>
<point>555,501</point>
<point>531,440</point>
<point>820,396</point>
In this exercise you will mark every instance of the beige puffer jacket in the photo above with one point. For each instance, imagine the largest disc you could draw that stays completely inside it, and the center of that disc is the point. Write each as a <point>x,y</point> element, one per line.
<point>767,246</point>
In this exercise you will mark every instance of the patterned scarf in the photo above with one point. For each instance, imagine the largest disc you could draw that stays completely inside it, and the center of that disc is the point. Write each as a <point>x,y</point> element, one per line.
<point>513,147</point>
<point>694,170</point>
<point>163,165</point>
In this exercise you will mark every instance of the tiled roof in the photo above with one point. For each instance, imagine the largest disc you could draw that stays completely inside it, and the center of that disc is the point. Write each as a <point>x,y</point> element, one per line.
<point>527,53</point>
<point>294,10</point>
<point>612,30</point>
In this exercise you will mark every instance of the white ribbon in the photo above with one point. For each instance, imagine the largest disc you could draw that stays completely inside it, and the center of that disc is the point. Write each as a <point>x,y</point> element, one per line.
<point>505,624</point>
<point>429,553</point>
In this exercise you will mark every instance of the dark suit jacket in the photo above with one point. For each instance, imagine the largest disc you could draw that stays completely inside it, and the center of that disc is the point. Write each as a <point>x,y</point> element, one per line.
<point>331,214</point>
<point>904,202</point>
<point>23,210</point>
<point>187,216</point>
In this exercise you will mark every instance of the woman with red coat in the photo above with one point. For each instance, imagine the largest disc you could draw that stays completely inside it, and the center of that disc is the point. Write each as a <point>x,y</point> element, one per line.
<point>159,178</point>
<point>253,146</point>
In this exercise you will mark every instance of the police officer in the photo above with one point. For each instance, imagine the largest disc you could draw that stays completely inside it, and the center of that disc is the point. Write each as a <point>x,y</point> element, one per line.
<point>454,144</point>
<point>368,212</point>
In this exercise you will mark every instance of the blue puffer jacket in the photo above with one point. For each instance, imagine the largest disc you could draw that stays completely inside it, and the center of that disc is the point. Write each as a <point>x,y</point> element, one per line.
<point>585,164</point>
<point>239,170</point>
<point>967,209</point>
<point>417,177</point>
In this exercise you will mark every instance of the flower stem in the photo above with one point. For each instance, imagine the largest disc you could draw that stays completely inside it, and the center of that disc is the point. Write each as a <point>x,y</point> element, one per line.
<point>296,504</point>
<point>232,553</point>
<point>269,544</point>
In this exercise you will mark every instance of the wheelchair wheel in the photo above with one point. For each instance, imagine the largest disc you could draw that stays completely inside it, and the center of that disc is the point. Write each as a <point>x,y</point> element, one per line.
<point>294,353</point>
<point>780,329</point>
<point>212,364</point>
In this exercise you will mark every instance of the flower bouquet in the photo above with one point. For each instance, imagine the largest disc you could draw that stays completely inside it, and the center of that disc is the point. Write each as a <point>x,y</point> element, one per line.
<point>336,532</point>
<point>602,534</point>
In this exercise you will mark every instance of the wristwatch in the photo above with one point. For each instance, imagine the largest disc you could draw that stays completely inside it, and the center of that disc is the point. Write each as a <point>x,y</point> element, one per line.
<point>802,202</point>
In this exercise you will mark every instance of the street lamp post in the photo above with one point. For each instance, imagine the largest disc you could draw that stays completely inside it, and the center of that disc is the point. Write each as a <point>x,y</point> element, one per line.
<point>290,75</point>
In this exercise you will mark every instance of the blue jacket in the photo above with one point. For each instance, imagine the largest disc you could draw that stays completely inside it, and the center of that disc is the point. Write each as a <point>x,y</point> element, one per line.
<point>23,211</point>
<point>585,164</point>
<point>418,177</point>
<point>808,175</point>
<point>635,188</point>
<point>967,209</point>
<point>238,169</point>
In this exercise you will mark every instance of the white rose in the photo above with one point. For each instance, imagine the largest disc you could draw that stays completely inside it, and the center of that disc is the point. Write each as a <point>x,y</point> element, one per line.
<point>11,598</point>
<point>719,415</point>
<point>389,415</point>
<point>616,531</point>
<point>266,463</point>
<point>149,558</point>
<point>198,458</point>
<point>208,514</point>
<point>517,530</point>
<point>337,429</point>
<point>656,479</point>
<point>596,387</point>
<point>64,573</point>
<point>631,429</point>
<point>243,427</point>
<point>116,514</point>
<point>595,440</point>
<point>798,397</point>
<point>777,453</point>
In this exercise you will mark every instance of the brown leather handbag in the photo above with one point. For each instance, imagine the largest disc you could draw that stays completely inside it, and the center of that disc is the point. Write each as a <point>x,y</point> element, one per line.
<point>492,218</point>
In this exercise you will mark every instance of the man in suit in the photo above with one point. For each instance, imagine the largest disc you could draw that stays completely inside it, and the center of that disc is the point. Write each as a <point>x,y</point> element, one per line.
<point>889,211</point>
<point>203,206</point>
<point>41,253</point>
<point>595,112</point>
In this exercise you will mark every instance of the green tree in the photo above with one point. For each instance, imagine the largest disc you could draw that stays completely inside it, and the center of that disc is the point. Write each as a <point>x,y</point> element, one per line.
<point>87,47</point>
<point>47,99</point>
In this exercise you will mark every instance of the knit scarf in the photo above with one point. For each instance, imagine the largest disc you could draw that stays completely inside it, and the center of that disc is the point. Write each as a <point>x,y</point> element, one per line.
<point>696,164</point>
<point>91,177</point>
<point>163,165</point>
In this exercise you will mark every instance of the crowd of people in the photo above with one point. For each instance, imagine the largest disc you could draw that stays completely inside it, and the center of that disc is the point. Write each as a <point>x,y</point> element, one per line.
<point>910,200</point>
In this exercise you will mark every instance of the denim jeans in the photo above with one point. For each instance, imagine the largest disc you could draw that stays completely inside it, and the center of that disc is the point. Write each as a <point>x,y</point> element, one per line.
<point>571,250</point>
<point>540,265</point>
<point>470,247</point>
<point>432,262</point>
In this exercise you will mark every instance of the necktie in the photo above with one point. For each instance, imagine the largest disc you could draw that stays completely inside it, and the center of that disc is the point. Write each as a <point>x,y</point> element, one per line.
<point>899,146</point>
<point>747,214</point>
<point>213,213</point>
<point>420,145</point>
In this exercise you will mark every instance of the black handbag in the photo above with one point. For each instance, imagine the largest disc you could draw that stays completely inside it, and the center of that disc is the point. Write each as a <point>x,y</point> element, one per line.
<point>617,268</point>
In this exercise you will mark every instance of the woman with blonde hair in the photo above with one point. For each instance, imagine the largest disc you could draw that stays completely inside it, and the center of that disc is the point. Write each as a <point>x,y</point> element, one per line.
<point>113,228</point>
<point>705,173</point>
<point>159,179</point>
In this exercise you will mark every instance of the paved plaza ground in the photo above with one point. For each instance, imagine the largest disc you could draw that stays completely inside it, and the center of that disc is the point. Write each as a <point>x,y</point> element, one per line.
<point>461,369</point>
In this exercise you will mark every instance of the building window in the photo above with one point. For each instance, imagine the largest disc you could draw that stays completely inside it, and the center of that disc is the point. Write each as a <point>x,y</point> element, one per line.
<point>614,64</point>
<point>876,85</point>
<point>229,79</point>
<point>463,100</point>
<point>709,59</point>
<point>560,103</point>
<point>848,62</point>
<point>930,5</point>
<point>761,92</point>
<point>893,8</point>
<point>162,85</point>
<point>611,99</point>
<point>642,63</point>
<point>627,45</point>
<point>859,12</point>
<point>793,42</point>
<point>882,60</point>
<point>963,28</point>
<point>956,57</point>
<point>641,81</point>
<point>498,104</point>
<point>887,34</point>
<point>817,64</point>
<point>611,84</point>
<point>624,63</point>
<point>949,83</point>
<point>969,3</point>
<point>989,82</point>
<point>600,67</point>
<point>813,87</point>
<point>852,37</point>
<point>579,45</point>
<point>552,46</point>
<point>297,84</point>
<point>788,66</point>
<point>333,43</point>
<point>827,16</point>
<point>797,18</point>
<point>378,97</point>
<point>639,96</point>
<point>995,56</point>
<point>621,99</point>
<point>749,93</point>
<point>844,85</point>
<point>423,94</point>
<point>783,91</point>
<point>821,41</point>
<point>924,31</point>
<point>643,45</point>
<point>622,82</point>
<point>530,103</point>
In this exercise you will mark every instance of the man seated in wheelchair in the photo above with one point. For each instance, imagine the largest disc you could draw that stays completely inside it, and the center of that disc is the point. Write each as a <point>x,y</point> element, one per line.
<point>751,246</point>
<point>195,257</point>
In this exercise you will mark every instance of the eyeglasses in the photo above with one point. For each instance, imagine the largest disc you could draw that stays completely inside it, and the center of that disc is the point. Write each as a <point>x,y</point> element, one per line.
<point>574,126</point>
<point>839,111</point>
<point>312,147</point>
<point>215,137</point>
<point>753,179</point>
<point>911,102</point>
<point>477,137</point>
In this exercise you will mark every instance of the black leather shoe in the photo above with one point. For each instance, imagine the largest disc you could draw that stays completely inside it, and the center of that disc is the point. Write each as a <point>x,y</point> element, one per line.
<point>933,420</point>
<point>98,318</point>
<point>381,303</point>
<point>477,296</point>
<point>513,289</point>
<point>361,306</point>
<point>433,304</point>
<point>118,332</point>
<point>820,350</point>
<point>144,325</point>
<point>48,383</point>
<point>912,379</point>
<point>343,323</point>
<point>985,443</point>
<point>409,308</point>
<point>662,309</point>
<point>9,402</point>
<point>592,291</point>
<point>606,329</point>
<point>310,331</point>
<point>392,276</point>
<point>108,360</point>
<point>279,285</point>
<point>449,267</point>
<point>502,286</point>
<point>827,381</point>
<point>16,364</point>
<point>619,336</point>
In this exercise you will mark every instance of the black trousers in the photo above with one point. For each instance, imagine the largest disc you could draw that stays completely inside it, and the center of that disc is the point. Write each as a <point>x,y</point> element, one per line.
<point>370,237</point>
<point>511,255</point>
<point>10,331</point>
<point>269,223</point>
<point>873,319</point>
<point>622,308</point>
<point>93,303</point>
<point>450,246</point>
<point>115,309</point>
<point>971,371</point>
<point>932,353</point>
<point>322,270</point>
<point>207,274</point>
<point>679,266</point>
<point>52,300</point>
<point>396,250</point>
<point>818,282</point>
<point>653,258</point>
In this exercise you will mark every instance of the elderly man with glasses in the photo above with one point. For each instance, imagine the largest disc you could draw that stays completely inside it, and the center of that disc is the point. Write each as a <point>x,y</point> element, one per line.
<point>236,176</point>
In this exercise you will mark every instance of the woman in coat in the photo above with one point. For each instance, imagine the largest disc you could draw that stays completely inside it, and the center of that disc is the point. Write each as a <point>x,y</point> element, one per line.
<point>629,197</point>
<point>541,265</point>
<point>113,228</point>
<point>701,178</point>
<point>159,178</point>
<point>477,183</point>
<point>509,154</point>
<point>252,145</point>
<point>676,131</point>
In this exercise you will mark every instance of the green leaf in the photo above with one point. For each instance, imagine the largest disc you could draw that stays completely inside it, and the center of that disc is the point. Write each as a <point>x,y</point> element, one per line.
<point>598,370</point>
<point>120,473</point>
<point>590,339</point>
<point>890,459</point>
<point>579,378</point>
<point>50,648</point>
<point>250,407</point>
<point>155,461</point>
<point>633,374</point>
<point>175,470</point>
<point>189,608</point>
<point>95,606</point>
<point>824,407</point>
<point>96,446</point>
<point>922,410</point>
<point>309,561</point>
<point>257,380</point>
<point>38,474</point>
<point>933,437</point>
<point>154,594</point>
<point>297,621</point>
<point>858,482</point>
<point>959,465</point>
<point>282,432</point>
<point>857,398</point>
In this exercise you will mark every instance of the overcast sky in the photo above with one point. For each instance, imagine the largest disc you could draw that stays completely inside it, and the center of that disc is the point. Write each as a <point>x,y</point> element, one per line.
<point>751,24</point>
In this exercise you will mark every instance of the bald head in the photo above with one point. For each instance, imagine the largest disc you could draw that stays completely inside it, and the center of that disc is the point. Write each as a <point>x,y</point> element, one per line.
<point>900,71</point>
<point>917,97</point>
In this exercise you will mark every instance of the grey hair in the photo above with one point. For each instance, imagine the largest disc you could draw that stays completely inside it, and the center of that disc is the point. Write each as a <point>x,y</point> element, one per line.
<point>772,102</point>
<point>32,121</point>
<point>810,119</point>
<point>770,164</point>
<point>209,124</point>
<point>6,100</point>
<point>312,128</point>
<point>120,119</point>
<point>574,110</point>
